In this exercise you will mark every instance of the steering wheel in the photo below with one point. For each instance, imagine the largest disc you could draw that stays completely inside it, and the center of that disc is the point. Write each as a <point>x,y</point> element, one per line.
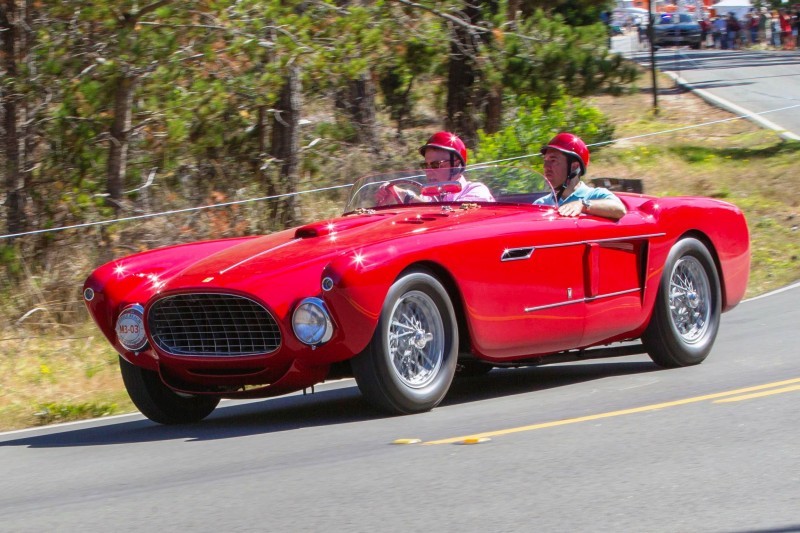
<point>395,194</point>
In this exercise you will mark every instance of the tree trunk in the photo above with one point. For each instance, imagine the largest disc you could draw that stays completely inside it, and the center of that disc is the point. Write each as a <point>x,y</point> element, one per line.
<point>120,136</point>
<point>513,7</point>
<point>494,99</point>
<point>286,141</point>
<point>461,79</point>
<point>358,102</point>
<point>494,109</point>
<point>14,49</point>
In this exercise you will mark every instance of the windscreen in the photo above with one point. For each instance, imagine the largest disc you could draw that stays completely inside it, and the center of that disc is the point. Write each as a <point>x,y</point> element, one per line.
<point>507,184</point>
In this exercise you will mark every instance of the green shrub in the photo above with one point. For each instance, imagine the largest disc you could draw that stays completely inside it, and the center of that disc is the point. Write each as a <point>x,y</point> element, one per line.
<point>531,126</point>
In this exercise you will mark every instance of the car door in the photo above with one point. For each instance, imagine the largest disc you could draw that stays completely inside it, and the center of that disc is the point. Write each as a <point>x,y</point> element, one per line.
<point>533,300</point>
<point>614,267</point>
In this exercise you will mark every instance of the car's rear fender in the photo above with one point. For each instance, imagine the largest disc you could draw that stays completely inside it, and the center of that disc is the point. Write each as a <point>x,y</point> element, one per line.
<point>719,225</point>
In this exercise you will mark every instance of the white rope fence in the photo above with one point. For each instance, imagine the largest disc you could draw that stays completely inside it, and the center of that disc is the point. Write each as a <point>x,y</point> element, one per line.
<point>334,187</point>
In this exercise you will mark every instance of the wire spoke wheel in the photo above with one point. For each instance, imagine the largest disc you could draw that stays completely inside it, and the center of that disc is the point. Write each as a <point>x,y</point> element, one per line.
<point>689,299</point>
<point>686,315</point>
<point>416,339</point>
<point>410,362</point>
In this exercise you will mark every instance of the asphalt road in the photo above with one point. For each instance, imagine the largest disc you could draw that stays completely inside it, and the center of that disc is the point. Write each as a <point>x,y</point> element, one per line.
<point>611,445</point>
<point>766,82</point>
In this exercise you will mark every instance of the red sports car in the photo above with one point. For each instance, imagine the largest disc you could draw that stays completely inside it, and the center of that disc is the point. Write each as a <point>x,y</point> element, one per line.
<point>407,293</point>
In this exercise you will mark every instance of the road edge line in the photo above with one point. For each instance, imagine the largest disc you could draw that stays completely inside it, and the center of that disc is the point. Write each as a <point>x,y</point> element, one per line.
<point>783,133</point>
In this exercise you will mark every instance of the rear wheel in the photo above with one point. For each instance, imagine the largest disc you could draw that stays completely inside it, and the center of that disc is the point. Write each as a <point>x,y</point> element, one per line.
<point>686,317</point>
<point>158,402</point>
<point>409,364</point>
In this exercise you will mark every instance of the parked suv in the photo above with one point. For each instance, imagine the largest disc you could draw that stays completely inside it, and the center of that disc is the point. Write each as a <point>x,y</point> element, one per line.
<point>677,29</point>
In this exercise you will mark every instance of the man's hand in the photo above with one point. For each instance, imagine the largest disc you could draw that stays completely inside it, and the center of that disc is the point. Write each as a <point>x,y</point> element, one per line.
<point>612,208</point>
<point>571,209</point>
<point>385,195</point>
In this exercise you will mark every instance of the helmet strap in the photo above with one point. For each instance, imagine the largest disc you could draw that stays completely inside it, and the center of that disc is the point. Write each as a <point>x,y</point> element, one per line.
<point>571,175</point>
<point>454,170</point>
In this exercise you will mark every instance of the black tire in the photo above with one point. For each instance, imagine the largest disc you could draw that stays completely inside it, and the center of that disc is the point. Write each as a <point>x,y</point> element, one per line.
<point>409,364</point>
<point>158,402</point>
<point>686,317</point>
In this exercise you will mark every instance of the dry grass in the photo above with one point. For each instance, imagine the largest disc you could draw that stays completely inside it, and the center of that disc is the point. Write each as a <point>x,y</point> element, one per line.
<point>736,161</point>
<point>52,378</point>
<point>50,372</point>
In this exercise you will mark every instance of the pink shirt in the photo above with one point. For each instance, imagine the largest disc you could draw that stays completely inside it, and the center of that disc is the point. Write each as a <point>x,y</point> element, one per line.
<point>471,191</point>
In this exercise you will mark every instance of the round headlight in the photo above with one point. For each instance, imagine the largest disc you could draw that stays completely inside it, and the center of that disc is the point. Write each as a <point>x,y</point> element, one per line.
<point>130,328</point>
<point>311,322</point>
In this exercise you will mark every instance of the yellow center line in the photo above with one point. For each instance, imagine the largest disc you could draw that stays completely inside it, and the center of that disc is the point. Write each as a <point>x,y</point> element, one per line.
<point>611,414</point>
<point>758,394</point>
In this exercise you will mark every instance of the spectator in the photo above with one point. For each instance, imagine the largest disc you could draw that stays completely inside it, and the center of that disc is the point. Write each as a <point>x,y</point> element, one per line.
<point>776,29</point>
<point>796,30</point>
<point>786,29</point>
<point>705,26</point>
<point>763,25</point>
<point>720,33</point>
<point>641,30</point>
<point>754,21</point>
<point>744,29</point>
<point>733,28</point>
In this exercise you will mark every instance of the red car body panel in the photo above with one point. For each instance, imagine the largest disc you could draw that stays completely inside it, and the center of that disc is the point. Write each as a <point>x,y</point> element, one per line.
<point>524,280</point>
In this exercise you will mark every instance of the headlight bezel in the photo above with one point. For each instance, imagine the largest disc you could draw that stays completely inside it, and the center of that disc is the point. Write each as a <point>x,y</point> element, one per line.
<point>131,334</point>
<point>323,323</point>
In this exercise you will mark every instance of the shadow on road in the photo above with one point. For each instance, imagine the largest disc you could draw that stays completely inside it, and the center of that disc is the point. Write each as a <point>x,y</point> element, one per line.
<point>340,405</point>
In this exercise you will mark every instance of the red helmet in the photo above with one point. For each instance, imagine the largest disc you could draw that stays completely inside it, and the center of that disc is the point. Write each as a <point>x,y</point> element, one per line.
<point>570,145</point>
<point>444,140</point>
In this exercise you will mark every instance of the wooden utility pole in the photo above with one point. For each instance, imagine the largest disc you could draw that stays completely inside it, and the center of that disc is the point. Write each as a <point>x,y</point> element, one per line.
<point>651,33</point>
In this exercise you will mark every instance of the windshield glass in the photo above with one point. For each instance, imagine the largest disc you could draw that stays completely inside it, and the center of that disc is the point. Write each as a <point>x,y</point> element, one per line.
<point>476,184</point>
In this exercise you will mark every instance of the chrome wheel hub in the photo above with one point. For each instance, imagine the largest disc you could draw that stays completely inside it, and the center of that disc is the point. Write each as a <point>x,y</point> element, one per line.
<point>416,339</point>
<point>690,299</point>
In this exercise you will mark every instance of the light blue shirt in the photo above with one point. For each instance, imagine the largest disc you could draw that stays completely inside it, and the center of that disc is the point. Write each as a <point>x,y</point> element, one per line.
<point>582,191</point>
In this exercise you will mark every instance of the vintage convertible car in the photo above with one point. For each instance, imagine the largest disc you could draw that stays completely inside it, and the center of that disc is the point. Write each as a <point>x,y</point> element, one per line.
<point>407,293</point>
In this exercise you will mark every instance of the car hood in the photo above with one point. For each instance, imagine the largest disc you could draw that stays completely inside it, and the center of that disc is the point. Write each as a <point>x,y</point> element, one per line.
<point>316,244</point>
<point>679,25</point>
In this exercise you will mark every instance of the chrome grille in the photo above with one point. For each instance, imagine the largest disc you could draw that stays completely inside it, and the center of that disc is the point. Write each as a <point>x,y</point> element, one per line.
<point>212,325</point>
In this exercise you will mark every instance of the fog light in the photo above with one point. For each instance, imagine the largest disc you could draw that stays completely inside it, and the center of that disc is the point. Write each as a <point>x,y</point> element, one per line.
<point>130,328</point>
<point>311,322</point>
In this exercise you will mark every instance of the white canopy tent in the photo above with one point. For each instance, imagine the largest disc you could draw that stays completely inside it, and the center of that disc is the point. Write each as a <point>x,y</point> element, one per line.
<point>738,7</point>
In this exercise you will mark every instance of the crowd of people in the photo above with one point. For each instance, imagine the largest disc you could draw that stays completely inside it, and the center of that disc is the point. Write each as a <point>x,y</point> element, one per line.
<point>773,29</point>
<point>777,29</point>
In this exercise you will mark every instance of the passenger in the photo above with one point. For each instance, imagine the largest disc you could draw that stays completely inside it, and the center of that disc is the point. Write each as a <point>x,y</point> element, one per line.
<point>445,158</point>
<point>565,160</point>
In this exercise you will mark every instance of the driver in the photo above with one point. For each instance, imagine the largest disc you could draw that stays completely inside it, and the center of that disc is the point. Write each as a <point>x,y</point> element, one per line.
<point>445,151</point>
<point>565,160</point>
<point>445,158</point>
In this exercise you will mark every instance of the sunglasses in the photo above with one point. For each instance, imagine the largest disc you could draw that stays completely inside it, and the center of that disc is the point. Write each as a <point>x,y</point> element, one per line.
<point>436,164</point>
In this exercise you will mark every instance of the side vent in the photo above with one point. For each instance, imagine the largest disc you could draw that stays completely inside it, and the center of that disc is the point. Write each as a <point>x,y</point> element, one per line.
<point>516,254</point>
